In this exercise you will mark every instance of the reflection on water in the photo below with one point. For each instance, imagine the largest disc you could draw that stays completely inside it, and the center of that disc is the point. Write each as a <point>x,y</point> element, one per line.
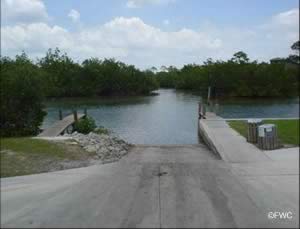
<point>259,108</point>
<point>168,118</point>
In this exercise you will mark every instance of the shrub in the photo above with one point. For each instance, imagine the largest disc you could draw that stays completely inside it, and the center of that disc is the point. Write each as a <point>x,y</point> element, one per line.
<point>101,130</point>
<point>21,97</point>
<point>85,125</point>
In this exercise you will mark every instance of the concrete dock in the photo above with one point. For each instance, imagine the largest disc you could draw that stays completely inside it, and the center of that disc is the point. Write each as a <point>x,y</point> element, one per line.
<point>232,147</point>
<point>226,142</point>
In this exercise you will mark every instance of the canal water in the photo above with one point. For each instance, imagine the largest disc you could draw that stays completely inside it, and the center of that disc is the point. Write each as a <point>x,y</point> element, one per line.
<point>167,118</point>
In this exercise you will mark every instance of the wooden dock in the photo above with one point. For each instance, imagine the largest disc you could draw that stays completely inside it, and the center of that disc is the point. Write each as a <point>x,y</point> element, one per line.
<point>60,126</point>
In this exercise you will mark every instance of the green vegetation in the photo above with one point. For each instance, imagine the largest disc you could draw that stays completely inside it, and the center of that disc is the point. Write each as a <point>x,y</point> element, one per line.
<point>65,78</point>
<point>288,130</point>
<point>101,130</point>
<point>85,125</point>
<point>238,76</point>
<point>31,145</point>
<point>22,156</point>
<point>21,97</point>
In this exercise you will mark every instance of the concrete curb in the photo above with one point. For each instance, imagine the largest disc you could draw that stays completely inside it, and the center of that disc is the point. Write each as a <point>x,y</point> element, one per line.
<point>226,143</point>
<point>203,132</point>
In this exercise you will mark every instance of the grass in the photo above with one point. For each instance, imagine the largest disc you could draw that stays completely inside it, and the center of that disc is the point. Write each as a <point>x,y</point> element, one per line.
<point>288,130</point>
<point>31,146</point>
<point>23,156</point>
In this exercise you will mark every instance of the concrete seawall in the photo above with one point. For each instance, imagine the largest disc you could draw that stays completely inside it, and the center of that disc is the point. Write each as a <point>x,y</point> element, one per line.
<point>204,134</point>
<point>227,143</point>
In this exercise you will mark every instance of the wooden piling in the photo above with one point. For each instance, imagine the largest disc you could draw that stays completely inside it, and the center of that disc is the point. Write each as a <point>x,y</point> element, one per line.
<point>208,96</point>
<point>199,110</point>
<point>75,115</point>
<point>60,114</point>
<point>85,111</point>
<point>203,110</point>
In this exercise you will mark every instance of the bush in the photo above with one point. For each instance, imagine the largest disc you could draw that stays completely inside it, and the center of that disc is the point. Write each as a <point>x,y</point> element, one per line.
<point>85,125</point>
<point>21,97</point>
<point>101,130</point>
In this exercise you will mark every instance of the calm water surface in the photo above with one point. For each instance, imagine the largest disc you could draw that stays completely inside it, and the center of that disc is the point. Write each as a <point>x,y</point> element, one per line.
<point>168,118</point>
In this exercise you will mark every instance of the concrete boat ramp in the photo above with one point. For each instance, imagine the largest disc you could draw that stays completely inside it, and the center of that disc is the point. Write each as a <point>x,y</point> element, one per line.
<point>185,186</point>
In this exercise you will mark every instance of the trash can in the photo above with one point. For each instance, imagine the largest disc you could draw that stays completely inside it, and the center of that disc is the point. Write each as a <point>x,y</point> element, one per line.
<point>253,129</point>
<point>267,137</point>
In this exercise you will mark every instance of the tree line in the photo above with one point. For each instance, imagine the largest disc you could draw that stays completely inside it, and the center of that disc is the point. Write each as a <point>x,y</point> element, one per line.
<point>25,84</point>
<point>237,76</point>
<point>60,76</point>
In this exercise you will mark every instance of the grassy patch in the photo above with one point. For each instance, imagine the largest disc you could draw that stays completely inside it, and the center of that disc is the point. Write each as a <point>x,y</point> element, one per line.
<point>288,130</point>
<point>32,146</point>
<point>22,156</point>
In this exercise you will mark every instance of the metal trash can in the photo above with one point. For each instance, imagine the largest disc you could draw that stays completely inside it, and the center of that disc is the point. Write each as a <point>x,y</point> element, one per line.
<point>267,137</point>
<point>253,129</point>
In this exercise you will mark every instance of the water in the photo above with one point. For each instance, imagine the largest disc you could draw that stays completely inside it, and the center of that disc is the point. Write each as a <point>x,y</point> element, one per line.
<point>259,108</point>
<point>168,118</point>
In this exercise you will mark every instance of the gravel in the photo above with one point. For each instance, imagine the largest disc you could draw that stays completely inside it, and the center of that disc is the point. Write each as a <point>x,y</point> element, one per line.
<point>107,147</point>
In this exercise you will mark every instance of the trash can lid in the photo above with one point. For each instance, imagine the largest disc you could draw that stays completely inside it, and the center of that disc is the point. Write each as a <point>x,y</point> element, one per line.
<point>254,120</point>
<point>266,126</point>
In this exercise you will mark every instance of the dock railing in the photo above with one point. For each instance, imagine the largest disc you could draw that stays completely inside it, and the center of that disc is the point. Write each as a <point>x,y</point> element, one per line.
<point>73,111</point>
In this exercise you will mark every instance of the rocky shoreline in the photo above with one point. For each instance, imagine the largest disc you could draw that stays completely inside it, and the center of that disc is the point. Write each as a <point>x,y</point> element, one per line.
<point>49,154</point>
<point>108,148</point>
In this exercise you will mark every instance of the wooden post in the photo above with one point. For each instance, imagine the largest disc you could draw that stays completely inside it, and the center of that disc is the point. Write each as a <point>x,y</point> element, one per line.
<point>75,115</point>
<point>208,96</point>
<point>203,110</point>
<point>60,114</point>
<point>85,112</point>
<point>199,110</point>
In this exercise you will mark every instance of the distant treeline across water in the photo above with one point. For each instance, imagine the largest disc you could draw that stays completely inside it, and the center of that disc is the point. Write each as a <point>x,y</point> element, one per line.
<point>237,77</point>
<point>57,75</point>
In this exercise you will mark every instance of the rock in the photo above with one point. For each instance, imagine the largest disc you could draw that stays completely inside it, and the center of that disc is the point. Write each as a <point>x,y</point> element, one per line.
<point>123,152</point>
<point>72,143</point>
<point>111,148</point>
<point>102,151</point>
<point>90,148</point>
<point>108,148</point>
